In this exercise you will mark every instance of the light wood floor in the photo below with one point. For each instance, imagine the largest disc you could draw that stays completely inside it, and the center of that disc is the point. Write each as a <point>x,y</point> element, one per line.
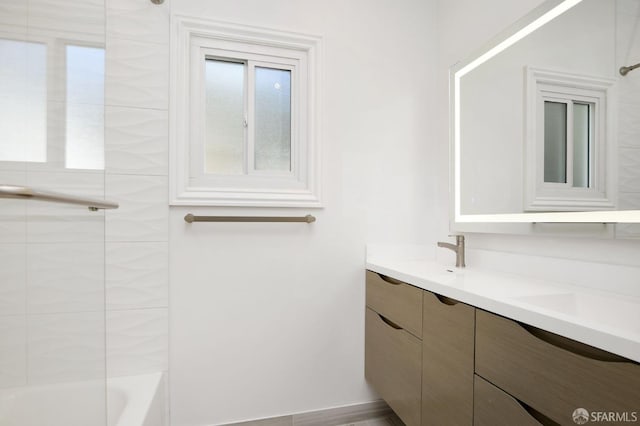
<point>382,421</point>
<point>375,413</point>
<point>390,420</point>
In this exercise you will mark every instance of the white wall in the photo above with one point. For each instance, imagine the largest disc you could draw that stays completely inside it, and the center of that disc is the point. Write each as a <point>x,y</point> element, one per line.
<point>267,319</point>
<point>463,27</point>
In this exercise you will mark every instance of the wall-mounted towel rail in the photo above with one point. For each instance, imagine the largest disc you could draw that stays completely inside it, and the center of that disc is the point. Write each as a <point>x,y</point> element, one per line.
<point>190,218</point>
<point>24,192</point>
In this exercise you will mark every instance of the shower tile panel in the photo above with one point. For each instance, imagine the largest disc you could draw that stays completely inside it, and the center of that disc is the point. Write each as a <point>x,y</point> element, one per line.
<point>53,222</point>
<point>65,277</point>
<point>628,119</point>
<point>13,226</point>
<point>137,74</point>
<point>138,20</point>
<point>66,347</point>
<point>629,201</point>
<point>137,341</point>
<point>72,16</point>
<point>137,275</point>
<point>629,170</point>
<point>13,351</point>
<point>136,163</point>
<point>13,13</point>
<point>143,214</point>
<point>13,279</point>
<point>55,140</point>
<point>13,166</point>
<point>136,141</point>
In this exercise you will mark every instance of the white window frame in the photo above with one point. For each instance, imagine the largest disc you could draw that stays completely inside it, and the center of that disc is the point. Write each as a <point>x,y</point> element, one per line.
<point>193,41</point>
<point>546,85</point>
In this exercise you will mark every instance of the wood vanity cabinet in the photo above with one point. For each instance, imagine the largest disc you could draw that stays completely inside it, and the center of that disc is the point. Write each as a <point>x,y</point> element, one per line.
<point>447,361</point>
<point>493,407</point>
<point>551,376</point>
<point>393,347</point>
<point>437,361</point>
<point>419,352</point>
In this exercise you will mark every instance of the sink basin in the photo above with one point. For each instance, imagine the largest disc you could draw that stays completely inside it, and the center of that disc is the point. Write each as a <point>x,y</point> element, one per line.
<point>614,311</point>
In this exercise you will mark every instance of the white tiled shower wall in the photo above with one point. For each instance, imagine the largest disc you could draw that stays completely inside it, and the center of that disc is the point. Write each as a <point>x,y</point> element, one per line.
<point>136,145</point>
<point>52,317</point>
<point>61,263</point>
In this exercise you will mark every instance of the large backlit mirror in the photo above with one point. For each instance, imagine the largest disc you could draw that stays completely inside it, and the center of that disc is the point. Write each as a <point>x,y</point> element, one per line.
<point>546,125</point>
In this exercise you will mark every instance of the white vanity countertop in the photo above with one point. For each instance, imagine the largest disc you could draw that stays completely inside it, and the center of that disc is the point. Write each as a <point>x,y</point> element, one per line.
<point>606,321</point>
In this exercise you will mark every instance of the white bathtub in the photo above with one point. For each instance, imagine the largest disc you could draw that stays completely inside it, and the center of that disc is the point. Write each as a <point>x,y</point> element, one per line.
<point>136,400</point>
<point>132,401</point>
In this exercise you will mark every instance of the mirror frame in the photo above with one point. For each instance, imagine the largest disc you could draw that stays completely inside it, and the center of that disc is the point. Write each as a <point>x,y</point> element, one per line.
<point>513,222</point>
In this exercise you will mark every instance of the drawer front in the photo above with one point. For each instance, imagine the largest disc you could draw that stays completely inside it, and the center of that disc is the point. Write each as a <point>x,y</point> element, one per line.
<point>396,301</point>
<point>552,374</point>
<point>493,407</point>
<point>447,367</point>
<point>393,366</point>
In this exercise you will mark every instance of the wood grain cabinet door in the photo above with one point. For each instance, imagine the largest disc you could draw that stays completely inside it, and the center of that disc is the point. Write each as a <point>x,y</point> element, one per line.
<point>552,374</point>
<point>447,361</point>
<point>396,301</point>
<point>493,407</point>
<point>392,366</point>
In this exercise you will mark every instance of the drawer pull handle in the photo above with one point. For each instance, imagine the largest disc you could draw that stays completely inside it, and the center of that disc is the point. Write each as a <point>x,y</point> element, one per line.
<point>390,323</point>
<point>540,418</point>
<point>446,300</point>
<point>573,346</point>
<point>390,280</point>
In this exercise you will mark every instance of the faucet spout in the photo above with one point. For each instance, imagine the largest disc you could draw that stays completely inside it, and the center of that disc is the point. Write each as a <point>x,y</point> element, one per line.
<point>458,248</point>
<point>448,245</point>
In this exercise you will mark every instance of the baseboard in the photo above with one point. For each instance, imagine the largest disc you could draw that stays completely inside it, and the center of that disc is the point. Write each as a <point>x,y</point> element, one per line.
<point>343,415</point>
<point>329,417</point>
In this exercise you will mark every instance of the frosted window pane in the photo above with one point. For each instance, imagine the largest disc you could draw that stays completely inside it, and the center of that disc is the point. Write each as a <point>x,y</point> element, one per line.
<point>85,107</point>
<point>581,142</point>
<point>555,142</point>
<point>273,119</point>
<point>23,101</point>
<point>224,132</point>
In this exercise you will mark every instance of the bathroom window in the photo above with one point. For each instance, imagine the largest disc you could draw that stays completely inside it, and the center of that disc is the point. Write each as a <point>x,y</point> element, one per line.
<point>248,118</point>
<point>245,113</point>
<point>48,81</point>
<point>84,127</point>
<point>569,145</point>
<point>23,101</point>
<point>570,148</point>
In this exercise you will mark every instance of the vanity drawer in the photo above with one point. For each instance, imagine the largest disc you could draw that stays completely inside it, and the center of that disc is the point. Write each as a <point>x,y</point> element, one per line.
<point>447,361</point>
<point>552,374</point>
<point>493,407</point>
<point>393,365</point>
<point>396,301</point>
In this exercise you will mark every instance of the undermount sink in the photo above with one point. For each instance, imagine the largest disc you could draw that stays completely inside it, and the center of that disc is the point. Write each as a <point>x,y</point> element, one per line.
<point>613,311</point>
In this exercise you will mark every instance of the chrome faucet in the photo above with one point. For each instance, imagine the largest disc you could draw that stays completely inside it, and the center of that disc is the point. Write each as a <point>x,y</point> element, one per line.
<point>458,247</point>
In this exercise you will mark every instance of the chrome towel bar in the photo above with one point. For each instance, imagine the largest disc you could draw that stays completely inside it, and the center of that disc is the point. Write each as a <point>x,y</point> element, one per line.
<point>190,218</point>
<point>24,192</point>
